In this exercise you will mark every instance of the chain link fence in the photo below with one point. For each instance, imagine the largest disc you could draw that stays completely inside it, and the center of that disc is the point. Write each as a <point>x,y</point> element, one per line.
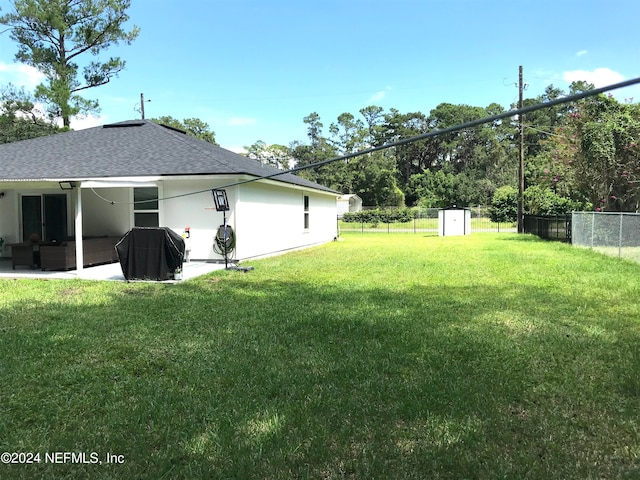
<point>611,233</point>
<point>425,220</point>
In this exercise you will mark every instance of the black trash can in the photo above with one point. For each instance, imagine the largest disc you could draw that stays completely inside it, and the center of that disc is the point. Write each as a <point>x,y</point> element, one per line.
<point>150,253</point>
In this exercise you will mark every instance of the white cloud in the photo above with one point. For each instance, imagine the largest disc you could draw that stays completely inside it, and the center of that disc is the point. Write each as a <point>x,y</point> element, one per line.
<point>376,97</point>
<point>240,150</point>
<point>20,75</point>
<point>241,121</point>
<point>581,53</point>
<point>88,121</point>
<point>600,77</point>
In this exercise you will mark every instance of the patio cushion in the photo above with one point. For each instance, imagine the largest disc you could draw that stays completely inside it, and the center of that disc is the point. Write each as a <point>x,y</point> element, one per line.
<point>95,251</point>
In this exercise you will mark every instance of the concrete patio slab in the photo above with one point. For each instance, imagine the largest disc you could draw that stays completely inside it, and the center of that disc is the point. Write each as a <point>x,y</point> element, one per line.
<point>111,271</point>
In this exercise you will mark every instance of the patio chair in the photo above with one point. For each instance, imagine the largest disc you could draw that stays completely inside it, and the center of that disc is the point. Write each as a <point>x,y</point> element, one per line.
<point>27,253</point>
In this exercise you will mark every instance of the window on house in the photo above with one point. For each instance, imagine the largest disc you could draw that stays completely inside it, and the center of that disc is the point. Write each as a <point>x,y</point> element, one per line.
<point>306,212</point>
<point>145,207</point>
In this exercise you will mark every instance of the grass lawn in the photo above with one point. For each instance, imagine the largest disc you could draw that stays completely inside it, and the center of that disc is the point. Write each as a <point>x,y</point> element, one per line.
<point>630,253</point>
<point>378,356</point>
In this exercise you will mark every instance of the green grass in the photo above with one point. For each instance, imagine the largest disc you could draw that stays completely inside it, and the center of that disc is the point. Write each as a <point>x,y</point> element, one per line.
<point>630,253</point>
<point>377,356</point>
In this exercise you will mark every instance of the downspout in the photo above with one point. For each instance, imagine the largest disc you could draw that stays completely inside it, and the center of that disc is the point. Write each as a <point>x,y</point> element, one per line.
<point>77,192</point>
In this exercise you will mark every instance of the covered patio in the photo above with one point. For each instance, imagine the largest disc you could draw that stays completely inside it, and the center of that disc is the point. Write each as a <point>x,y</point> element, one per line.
<point>110,271</point>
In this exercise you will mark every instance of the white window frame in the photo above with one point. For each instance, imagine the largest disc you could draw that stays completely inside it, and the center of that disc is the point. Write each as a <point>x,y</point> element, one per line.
<point>135,210</point>
<point>306,202</point>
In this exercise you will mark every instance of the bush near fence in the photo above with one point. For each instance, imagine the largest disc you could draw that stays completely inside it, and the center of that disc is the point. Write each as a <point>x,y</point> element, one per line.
<point>378,215</point>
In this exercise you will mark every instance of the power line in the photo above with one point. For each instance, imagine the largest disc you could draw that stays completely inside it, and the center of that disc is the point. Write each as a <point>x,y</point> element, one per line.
<point>545,132</point>
<point>434,133</point>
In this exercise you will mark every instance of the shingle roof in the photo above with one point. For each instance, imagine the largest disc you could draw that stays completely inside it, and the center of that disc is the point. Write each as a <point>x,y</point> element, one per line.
<point>127,149</point>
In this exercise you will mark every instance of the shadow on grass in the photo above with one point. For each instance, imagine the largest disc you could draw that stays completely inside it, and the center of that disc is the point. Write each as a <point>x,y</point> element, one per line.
<point>236,377</point>
<point>522,237</point>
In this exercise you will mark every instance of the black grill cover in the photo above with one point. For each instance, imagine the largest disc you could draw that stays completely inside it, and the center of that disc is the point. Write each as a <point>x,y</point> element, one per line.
<point>150,253</point>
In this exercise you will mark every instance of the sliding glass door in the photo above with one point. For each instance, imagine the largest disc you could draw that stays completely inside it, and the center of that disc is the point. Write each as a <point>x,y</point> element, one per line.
<point>45,216</point>
<point>31,217</point>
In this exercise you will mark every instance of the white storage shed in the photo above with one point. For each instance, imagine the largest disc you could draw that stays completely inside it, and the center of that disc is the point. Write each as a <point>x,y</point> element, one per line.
<point>454,221</point>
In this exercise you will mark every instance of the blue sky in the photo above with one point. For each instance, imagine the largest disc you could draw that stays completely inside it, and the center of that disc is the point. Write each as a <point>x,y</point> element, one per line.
<point>253,69</point>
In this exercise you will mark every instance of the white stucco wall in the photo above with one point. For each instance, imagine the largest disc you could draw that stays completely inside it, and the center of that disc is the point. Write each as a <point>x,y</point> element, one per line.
<point>270,219</point>
<point>196,211</point>
<point>100,217</point>
<point>267,218</point>
<point>8,219</point>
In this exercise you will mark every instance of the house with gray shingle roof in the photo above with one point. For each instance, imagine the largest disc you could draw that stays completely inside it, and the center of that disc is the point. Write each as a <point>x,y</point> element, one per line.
<point>103,181</point>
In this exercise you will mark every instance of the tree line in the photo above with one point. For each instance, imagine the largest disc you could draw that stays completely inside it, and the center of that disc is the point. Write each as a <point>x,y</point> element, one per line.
<point>584,155</point>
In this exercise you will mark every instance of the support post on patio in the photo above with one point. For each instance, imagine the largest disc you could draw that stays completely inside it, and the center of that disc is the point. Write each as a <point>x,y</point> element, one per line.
<point>77,192</point>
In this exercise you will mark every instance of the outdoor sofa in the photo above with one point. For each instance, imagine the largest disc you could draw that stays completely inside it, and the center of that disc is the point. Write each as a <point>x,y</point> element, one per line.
<point>95,251</point>
<point>24,254</point>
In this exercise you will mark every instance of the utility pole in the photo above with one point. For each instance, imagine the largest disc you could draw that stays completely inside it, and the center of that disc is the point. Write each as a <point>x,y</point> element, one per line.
<point>142,105</point>
<point>520,157</point>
